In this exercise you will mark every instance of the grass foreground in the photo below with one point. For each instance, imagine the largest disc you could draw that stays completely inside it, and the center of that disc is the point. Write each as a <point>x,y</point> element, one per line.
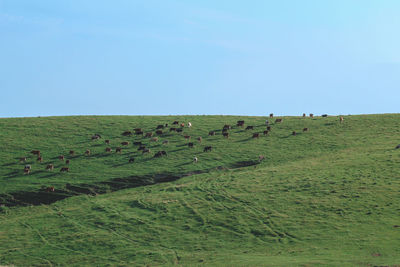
<point>329,196</point>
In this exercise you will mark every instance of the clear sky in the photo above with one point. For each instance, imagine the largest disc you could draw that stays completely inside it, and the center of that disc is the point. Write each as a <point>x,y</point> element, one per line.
<point>71,57</point>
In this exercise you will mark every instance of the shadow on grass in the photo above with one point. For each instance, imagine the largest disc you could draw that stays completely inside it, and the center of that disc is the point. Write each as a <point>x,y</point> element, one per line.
<point>43,197</point>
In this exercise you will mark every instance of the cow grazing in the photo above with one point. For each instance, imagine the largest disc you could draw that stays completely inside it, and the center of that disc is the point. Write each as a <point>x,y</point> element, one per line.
<point>172,129</point>
<point>23,159</point>
<point>67,161</point>
<point>124,143</point>
<point>226,126</point>
<point>341,119</point>
<point>211,133</point>
<point>131,160</point>
<point>158,154</point>
<point>278,120</point>
<point>305,129</point>
<point>108,149</point>
<point>224,130</point>
<point>311,115</point>
<point>266,132</point>
<point>137,143</point>
<point>397,147</point>
<point>87,152</point>
<point>159,132</point>
<point>324,115</point>
<point>50,167</point>
<point>195,159</point>
<point>146,150</point>
<point>271,115</point>
<point>207,148</point>
<point>199,139</point>
<point>154,139</point>
<point>27,171</point>
<point>36,152</point>
<point>107,142</point>
<point>189,124</point>
<point>118,150</point>
<point>95,137</point>
<point>187,137</point>
<point>191,145</point>
<point>160,126</point>
<point>150,134</point>
<point>226,135</point>
<point>256,135</point>
<point>240,123</point>
<point>127,133</point>
<point>142,147</point>
<point>294,133</point>
<point>166,125</point>
<point>139,133</point>
<point>175,122</point>
<point>61,157</point>
<point>249,127</point>
<point>71,152</point>
<point>50,189</point>
<point>64,169</point>
<point>165,142</point>
<point>182,124</point>
<point>40,159</point>
<point>28,167</point>
<point>304,115</point>
<point>179,130</point>
<point>138,129</point>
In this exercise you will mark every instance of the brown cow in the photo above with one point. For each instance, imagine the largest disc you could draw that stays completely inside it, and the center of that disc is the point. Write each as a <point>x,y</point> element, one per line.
<point>71,152</point>
<point>182,125</point>
<point>36,152</point>
<point>159,132</point>
<point>50,167</point>
<point>187,137</point>
<point>64,169</point>
<point>190,145</point>
<point>311,115</point>
<point>154,139</point>
<point>271,115</point>
<point>266,132</point>
<point>199,139</point>
<point>23,159</point>
<point>61,157</point>
<point>304,115</point>
<point>107,142</point>
<point>150,134</point>
<point>278,120</point>
<point>87,152</point>
<point>138,129</point>
<point>211,133</point>
<point>40,159</point>
<point>50,189</point>
<point>67,161</point>
<point>305,129</point>
<point>124,143</point>
<point>226,135</point>
<point>256,135</point>
<point>108,149</point>
<point>127,133</point>
<point>341,119</point>
<point>118,150</point>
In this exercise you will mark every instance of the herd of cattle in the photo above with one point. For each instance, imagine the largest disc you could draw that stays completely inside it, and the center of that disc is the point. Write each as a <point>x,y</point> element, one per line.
<point>154,137</point>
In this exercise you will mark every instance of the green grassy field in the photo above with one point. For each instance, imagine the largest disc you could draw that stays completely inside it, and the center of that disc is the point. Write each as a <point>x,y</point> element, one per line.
<point>326,197</point>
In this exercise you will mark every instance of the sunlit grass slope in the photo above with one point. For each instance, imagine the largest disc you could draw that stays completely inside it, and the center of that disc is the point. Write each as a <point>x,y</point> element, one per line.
<point>329,196</point>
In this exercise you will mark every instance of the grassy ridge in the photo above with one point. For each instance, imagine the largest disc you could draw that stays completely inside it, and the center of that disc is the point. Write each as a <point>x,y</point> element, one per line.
<point>326,197</point>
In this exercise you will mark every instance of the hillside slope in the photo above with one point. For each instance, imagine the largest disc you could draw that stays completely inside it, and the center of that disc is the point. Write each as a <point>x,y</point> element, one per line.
<point>328,196</point>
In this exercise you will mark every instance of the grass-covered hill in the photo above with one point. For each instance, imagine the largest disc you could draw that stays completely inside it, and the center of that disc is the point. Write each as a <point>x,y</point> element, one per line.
<point>329,196</point>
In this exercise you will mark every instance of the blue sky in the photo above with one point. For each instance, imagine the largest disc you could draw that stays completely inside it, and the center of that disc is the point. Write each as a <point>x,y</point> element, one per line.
<point>199,57</point>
